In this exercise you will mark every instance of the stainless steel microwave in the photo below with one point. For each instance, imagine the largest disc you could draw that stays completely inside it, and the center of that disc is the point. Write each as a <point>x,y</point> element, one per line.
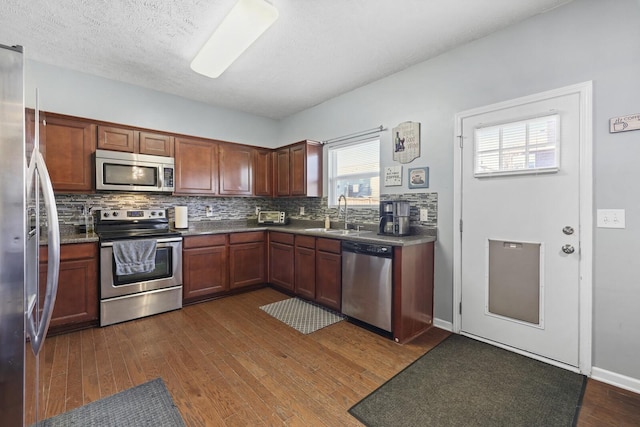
<point>116,170</point>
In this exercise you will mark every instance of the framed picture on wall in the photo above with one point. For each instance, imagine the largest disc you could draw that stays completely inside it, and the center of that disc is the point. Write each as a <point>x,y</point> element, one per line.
<point>418,177</point>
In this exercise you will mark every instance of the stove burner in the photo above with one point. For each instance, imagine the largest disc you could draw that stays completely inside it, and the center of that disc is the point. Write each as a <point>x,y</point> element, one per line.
<point>121,224</point>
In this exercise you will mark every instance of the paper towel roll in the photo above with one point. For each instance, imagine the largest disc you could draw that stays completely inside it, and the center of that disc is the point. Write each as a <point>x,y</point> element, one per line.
<point>181,217</point>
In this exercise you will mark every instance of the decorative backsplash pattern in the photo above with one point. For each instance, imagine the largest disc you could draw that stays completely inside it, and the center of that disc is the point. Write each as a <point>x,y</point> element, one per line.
<point>70,207</point>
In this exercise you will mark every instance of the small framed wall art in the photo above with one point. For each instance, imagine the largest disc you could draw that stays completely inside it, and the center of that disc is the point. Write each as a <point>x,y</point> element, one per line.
<point>419,177</point>
<point>392,176</point>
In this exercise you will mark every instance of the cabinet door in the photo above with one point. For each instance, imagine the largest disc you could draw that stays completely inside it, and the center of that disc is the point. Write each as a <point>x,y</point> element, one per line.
<point>281,173</point>
<point>298,170</point>
<point>329,279</point>
<point>156,144</point>
<point>236,170</point>
<point>263,173</point>
<point>196,167</point>
<point>204,272</point>
<point>117,139</point>
<point>77,298</point>
<point>305,272</point>
<point>247,264</point>
<point>68,145</point>
<point>281,265</point>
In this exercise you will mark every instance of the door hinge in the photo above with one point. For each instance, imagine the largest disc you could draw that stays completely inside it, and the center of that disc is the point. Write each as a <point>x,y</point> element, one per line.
<point>460,308</point>
<point>461,225</point>
<point>460,138</point>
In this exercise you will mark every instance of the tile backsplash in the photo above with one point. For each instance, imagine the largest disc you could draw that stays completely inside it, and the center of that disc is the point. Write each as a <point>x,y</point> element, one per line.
<point>234,208</point>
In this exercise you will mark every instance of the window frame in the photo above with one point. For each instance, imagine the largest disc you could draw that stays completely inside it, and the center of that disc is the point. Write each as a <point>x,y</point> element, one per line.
<point>526,147</point>
<point>332,170</point>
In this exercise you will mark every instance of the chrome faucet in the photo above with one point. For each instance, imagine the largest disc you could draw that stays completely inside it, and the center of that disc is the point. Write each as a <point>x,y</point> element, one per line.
<point>342,197</point>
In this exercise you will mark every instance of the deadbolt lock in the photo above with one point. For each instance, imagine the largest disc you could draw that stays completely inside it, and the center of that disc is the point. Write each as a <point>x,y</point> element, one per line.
<point>568,230</point>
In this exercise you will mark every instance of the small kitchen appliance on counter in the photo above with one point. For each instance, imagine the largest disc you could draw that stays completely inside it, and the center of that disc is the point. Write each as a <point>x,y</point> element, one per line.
<point>272,217</point>
<point>394,217</point>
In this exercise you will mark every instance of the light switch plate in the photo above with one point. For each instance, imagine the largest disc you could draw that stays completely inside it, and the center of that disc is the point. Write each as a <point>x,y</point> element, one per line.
<point>301,210</point>
<point>610,218</point>
<point>424,214</point>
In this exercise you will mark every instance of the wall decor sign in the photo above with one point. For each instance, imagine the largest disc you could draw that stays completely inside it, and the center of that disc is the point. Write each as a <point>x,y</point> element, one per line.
<point>392,176</point>
<point>624,123</point>
<point>419,177</point>
<point>406,142</point>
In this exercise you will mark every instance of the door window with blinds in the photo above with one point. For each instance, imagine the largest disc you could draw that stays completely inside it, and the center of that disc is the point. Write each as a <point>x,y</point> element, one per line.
<point>354,171</point>
<point>520,147</point>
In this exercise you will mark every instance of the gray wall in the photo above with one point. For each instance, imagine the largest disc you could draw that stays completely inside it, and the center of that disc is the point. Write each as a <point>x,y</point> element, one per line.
<point>82,95</point>
<point>584,40</point>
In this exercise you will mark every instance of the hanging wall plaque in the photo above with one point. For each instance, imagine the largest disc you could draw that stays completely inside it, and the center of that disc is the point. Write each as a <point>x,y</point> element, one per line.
<point>624,123</point>
<point>406,142</point>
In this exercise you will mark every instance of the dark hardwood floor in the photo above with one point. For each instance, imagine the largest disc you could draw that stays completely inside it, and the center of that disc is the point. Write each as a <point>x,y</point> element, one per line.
<point>227,363</point>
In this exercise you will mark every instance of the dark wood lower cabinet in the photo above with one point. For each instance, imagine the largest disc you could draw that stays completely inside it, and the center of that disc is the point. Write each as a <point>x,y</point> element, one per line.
<point>329,273</point>
<point>305,267</point>
<point>281,260</point>
<point>247,259</point>
<point>412,291</point>
<point>77,299</point>
<point>204,267</point>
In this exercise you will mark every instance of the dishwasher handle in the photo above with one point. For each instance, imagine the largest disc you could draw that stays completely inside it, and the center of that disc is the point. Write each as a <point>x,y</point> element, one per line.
<point>382,251</point>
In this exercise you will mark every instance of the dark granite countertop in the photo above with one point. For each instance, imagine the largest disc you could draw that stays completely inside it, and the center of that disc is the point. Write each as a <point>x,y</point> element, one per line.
<point>69,235</point>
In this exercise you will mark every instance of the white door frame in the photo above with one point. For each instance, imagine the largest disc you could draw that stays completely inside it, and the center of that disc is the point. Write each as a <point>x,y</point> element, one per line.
<point>584,90</point>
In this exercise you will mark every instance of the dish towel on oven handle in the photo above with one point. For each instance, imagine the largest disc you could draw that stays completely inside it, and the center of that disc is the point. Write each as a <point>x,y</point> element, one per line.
<point>134,256</point>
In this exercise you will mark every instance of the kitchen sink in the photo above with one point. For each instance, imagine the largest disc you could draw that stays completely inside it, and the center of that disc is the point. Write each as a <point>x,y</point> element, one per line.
<point>337,231</point>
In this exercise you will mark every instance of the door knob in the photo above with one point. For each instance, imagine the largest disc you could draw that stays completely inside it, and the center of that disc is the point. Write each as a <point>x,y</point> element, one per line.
<point>568,230</point>
<point>568,249</point>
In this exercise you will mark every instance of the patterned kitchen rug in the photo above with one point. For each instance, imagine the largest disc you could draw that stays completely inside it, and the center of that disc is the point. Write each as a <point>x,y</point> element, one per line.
<point>301,315</point>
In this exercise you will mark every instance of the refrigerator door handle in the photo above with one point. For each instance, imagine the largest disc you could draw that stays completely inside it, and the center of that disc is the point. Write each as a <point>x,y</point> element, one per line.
<point>38,168</point>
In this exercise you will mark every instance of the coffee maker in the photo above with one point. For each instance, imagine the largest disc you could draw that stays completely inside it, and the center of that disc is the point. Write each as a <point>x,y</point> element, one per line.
<point>394,218</point>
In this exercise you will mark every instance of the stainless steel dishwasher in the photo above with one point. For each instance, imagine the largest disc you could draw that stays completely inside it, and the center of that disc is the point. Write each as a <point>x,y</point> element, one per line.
<point>367,283</point>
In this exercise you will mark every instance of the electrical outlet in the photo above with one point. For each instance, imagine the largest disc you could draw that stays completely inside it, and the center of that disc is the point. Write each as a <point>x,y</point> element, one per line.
<point>611,218</point>
<point>301,210</point>
<point>208,211</point>
<point>258,209</point>
<point>424,214</point>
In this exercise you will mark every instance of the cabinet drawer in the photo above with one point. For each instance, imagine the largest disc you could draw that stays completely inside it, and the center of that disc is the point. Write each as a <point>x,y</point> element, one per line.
<point>328,245</point>
<point>72,251</point>
<point>204,241</point>
<point>248,237</point>
<point>285,238</point>
<point>306,241</point>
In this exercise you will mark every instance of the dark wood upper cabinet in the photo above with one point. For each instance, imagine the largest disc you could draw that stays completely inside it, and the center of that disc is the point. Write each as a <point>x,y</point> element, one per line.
<point>67,144</point>
<point>263,173</point>
<point>196,166</point>
<point>156,144</point>
<point>117,139</point>
<point>135,141</point>
<point>281,172</point>
<point>298,169</point>
<point>236,170</point>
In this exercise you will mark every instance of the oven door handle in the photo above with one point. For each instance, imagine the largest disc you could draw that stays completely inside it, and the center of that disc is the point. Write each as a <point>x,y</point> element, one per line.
<point>167,240</point>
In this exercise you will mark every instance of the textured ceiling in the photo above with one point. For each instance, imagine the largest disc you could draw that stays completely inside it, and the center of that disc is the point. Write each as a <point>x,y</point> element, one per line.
<point>317,49</point>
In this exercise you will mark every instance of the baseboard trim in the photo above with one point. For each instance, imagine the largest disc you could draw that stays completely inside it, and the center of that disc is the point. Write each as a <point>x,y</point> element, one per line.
<point>443,324</point>
<point>618,380</point>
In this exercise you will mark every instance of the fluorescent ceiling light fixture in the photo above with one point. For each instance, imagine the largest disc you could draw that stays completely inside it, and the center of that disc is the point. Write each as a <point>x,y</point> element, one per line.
<point>242,26</point>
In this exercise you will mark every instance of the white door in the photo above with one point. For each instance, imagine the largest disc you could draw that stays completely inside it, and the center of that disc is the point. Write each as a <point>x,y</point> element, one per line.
<point>519,266</point>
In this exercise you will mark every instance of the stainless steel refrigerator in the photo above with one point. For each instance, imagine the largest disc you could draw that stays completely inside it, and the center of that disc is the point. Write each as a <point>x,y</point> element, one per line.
<point>28,215</point>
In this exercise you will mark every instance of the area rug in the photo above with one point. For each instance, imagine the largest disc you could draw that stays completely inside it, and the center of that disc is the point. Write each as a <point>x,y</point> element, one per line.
<point>303,316</point>
<point>464,382</point>
<point>148,404</point>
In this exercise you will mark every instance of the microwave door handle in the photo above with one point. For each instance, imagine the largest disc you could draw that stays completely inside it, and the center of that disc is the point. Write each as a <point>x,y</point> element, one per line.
<point>39,332</point>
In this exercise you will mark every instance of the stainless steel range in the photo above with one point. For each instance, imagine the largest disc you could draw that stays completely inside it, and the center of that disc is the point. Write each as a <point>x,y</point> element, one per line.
<point>127,295</point>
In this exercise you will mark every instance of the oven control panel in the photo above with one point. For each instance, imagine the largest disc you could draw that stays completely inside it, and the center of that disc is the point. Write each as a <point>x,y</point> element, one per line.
<point>131,215</point>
